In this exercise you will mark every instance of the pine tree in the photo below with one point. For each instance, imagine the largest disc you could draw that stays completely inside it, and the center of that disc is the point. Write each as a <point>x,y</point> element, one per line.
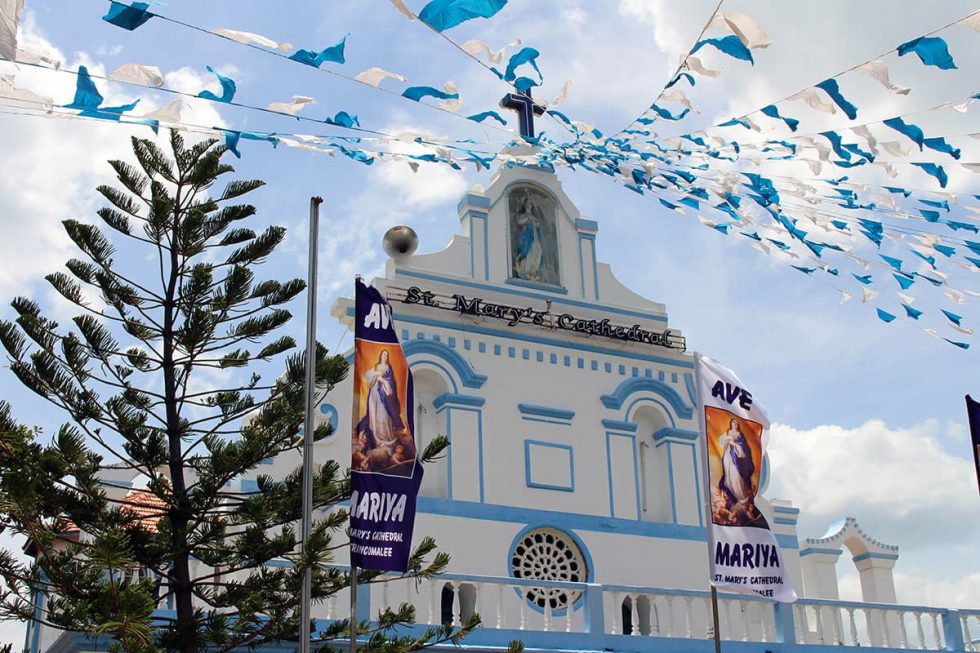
<point>135,373</point>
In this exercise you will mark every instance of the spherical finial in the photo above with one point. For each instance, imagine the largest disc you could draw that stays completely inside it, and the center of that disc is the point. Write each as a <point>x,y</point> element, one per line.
<point>400,241</point>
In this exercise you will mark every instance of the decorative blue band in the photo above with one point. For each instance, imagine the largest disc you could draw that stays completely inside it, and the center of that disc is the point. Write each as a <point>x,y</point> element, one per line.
<point>537,286</point>
<point>668,433</point>
<point>586,225</point>
<point>816,550</point>
<point>467,375</point>
<point>451,399</point>
<point>619,425</point>
<point>631,386</point>
<point>872,554</point>
<point>546,411</point>
<point>471,199</point>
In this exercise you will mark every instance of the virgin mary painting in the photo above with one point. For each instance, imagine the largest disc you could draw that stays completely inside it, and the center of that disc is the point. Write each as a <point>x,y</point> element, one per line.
<point>534,242</point>
<point>382,443</point>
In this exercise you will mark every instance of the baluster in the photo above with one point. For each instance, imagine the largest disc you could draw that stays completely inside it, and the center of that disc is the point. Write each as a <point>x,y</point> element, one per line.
<point>903,635</point>
<point>688,621</point>
<point>853,626</point>
<point>635,614</point>
<point>764,612</point>
<point>817,609</point>
<point>743,606</point>
<point>835,628</point>
<point>433,593</point>
<point>937,635</point>
<point>547,608</point>
<point>724,610</point>
<point>569,608</point>
<point>670,615</point>
<point>477,591</point>
<point>500,605</point>
<point>965,627</point>
<point>524,599</point>
<point>331,604</point>
<point>654,617</point>
<point>617,620</point>
<point>919,633</point>
<point>456,604</point>
<point>869,621</point>
<point>884,627</point>
<point>799,624</point>
<point>709,632</point>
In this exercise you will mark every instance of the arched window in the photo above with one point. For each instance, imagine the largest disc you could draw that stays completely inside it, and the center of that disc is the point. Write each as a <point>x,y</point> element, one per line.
<point>655,490</point>
<point>429,423</point>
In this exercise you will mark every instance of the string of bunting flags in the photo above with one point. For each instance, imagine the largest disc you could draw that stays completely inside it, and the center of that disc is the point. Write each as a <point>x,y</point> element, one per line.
<point>888,224</point>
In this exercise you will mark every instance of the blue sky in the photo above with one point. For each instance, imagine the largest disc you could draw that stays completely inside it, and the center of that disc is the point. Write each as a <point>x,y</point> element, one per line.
<point>816,365</point>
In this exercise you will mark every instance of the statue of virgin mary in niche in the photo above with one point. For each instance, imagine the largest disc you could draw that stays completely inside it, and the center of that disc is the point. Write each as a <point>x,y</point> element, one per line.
<point>533,239</point>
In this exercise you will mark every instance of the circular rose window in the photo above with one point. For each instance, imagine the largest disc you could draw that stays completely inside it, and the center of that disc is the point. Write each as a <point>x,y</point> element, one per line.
<point>549,554</point>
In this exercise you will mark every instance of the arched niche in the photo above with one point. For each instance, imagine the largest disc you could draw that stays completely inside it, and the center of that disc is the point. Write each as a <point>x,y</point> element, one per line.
<point>430,382</point>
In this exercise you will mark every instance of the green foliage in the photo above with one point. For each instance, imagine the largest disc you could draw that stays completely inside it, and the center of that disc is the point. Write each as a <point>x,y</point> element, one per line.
<point>161,373</point>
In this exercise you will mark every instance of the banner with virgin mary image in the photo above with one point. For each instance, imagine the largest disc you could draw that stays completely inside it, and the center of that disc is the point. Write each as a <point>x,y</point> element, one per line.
<point>385,470</point>
<point>744,554</point>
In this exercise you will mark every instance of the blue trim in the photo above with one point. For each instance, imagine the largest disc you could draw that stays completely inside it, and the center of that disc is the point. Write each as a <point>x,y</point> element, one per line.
<point>670,477</point>
<point>644,400</point>
<point>38,614</point>
<point>872,554</point>
<point>332,417</point>
<point>619,425</point>
<point>669,433</point>
<point>467,375</point>
<point>454,400</point>
<point>609,470</point>
<point>583,224</point>
<point>786,509</point>
<point>548,486</point>
<point>537,286</point>
<point>810,550</point>
<point>764,473</point>
<point>785,522</point>
<point>557,300</point>
<point>450,403</point>
<point>692,391</point>
<point>114,483</point>
<point>697,483</point>
<point>566,520</point>
<point>472,199</point>
<point>581,265</point>
<point>563,414</point>
<point>637,384</point>
<point>250,486</point>
<point>589,566</point>
<point>450,377</point>
<point>551,342</point>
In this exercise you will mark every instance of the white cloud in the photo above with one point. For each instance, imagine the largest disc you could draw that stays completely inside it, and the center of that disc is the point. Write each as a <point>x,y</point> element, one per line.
<point>901,484</point>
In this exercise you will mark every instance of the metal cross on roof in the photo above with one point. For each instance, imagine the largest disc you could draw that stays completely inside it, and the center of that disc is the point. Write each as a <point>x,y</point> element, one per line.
<point>526,109</point>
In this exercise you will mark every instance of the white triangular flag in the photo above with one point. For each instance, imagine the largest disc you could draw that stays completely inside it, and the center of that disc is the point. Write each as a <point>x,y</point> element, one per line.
<point>293,106</point>
<point>138,74</point>
<point>250,38</point>
<point>878,71</point>
<point>375,76</point>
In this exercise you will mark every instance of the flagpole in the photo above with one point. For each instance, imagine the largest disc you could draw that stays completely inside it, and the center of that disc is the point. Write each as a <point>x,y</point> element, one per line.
<point>706,496</point>
<point>353,609</point>
<point>353,576</point>
<point>307,521</point>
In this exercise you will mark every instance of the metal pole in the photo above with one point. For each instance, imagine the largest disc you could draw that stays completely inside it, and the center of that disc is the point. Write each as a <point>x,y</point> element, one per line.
<point>714,618</point>
<point>353,609</point>
<point>706,496</point>
<point>307,522</point>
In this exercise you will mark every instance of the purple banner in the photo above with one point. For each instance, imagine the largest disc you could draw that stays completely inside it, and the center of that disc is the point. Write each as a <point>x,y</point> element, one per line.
<point>385,470</point>
<point>973,413</point>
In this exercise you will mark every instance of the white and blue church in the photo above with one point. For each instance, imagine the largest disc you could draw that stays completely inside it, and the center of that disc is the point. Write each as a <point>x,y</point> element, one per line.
<point>570,497</point>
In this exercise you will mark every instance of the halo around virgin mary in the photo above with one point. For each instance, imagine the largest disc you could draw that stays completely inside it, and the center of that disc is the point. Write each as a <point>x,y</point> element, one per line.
<point>533,237</point>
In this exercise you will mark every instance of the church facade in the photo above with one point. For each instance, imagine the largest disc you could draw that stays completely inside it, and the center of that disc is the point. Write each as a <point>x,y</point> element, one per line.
<point>570,498</point>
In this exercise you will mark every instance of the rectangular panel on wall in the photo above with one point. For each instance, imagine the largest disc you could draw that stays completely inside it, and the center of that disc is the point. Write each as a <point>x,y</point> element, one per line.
<point>621,460</point>
<point>549,466</point>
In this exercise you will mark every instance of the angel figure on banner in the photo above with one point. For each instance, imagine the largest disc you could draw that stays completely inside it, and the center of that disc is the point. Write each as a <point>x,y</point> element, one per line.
<point>382,442</point>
